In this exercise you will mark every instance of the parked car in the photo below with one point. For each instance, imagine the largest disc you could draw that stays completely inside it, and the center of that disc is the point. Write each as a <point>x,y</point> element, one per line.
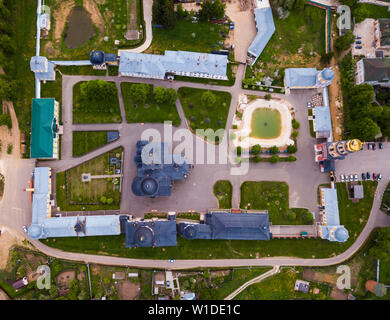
<point>374,176</point>
<point>380,144</point>
<point>363,176</point>
<point>342,179</point>
<point>171,260</point>
<point>309,104</point>
<point>25,229</point>
<point>358,42</point>
<point>351,177</point>
<point>168,283</point>
<point>373,146</point>
<point>355,177</point>
<point>368,175</point>
<point>358,37</point>
<point>368,146</point>
<point>379,177</point>
<point>358,47</point>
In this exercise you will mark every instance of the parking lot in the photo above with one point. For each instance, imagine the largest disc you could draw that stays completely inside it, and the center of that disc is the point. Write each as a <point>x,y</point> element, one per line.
<point>366,31</point>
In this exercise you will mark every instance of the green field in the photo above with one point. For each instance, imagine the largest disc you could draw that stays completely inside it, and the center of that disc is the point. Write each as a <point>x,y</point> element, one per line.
<point>149,112</point>
<point>223,192</point>
<point>86,141</point>
<point>204,117</point>
<point>85,111</point>
<point>188,36</point>
<point>73,194</point>
<point>272,196</point>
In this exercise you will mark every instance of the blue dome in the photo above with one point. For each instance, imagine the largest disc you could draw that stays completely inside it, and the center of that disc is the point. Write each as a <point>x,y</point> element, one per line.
<point>341,234</point>
<point>190,232</point>
<point>144,237</point>
<point>35,231</point>
<point>97,57</point>
<point>327,74</point>
<point>149,186</point>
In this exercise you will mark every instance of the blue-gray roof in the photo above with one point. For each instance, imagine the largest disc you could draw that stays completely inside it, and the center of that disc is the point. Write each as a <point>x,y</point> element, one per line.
<point>331,207</point>
<point>156,233</point>
<point>229,226</point>
<point>156,169</point>
<point>265,29</point>
<point>300,77</point>
<point>152,65</point>
<point>43,69</point>
<point>43,227</point>
<point>322,116</point>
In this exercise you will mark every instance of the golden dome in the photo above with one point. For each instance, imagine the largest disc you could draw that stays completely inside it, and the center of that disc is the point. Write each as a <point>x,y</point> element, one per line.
<point>354,145</point>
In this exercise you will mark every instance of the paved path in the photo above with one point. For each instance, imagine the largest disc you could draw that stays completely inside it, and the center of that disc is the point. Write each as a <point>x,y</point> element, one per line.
<point>261,277</point>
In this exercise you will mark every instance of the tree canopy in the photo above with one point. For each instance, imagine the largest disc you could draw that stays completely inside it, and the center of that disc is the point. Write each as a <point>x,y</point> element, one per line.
<point>164,13</point>
<point>212,10</point>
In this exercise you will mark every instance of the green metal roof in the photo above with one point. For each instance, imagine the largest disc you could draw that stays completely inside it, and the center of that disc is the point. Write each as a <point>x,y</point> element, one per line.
<point>42,131</point>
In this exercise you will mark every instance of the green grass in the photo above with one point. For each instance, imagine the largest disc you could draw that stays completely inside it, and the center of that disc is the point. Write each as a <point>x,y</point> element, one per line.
<point>350,215</point>
<point>366,10</point>
<point>86,195</point>
<point>86,141</point>
<point>53,89</point>
<point>281,287</point>
<point>271,196</point>
<point>181,37</point>
<point>149,112</point>
<point>200,117</point>
<point>223,192</point>
<point>84,70</point>
<point>385,205</point>
<point>112,112</point>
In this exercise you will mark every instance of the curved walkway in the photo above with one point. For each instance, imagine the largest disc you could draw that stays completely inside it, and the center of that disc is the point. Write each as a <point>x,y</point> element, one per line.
<point>261,277</point>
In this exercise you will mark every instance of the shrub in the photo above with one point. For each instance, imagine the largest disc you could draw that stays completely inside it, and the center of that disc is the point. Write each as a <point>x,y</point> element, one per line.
<point>234,126</point>
<point>267,97</point>
<point>103,199</point>
<point>256,149</point>
<point>295,134</point>
<point>256,159</point>
<point>292,148</point>
<point>208,99</point>
<point>238,150</point>
<point>295,124</point>
<point>9,149</point>
<point>110,200</point>
<point>291,159</point>
<point>274,150</point>
<point>291,215</point>
<point>274,159</point>
<point>5,120</point>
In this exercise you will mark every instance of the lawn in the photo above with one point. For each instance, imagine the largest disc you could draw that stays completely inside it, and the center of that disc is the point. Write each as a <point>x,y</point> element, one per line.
<point>86,141</point>
<point>222,249</point>
<point>72,194</point>
<point>366,10</point>
<point>295,38</point>
<point>187,36</point>
<point>223,192</point>
<point>385,205</point>
<point>149,112</point>
<point>271,196</point>
<point>281,287</point>
<point>201,117</point>
<point>89,111</point>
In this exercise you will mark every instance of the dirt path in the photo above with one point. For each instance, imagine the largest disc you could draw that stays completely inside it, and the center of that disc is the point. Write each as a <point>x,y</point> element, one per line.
<point>60,14</point>
<point>10,137</point>
<point>96,16</point>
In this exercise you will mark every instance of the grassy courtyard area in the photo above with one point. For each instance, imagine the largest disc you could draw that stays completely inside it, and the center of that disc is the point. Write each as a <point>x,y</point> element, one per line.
<point>201,116</point>
<point>272,196</point>
<point>281,287</point>
<point>86,141</point>
<point>72,194</point>
<point>223,192</point>
<point>150,111</point>
<point>95,111</point>
<point>385,205</point>
<point>363,11</point>
<point>298,41</point>
<point>187,36</point>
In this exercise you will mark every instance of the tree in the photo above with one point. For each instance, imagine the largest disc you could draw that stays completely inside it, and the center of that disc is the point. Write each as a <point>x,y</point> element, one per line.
<point>256,158</point>
<point>256,149</point>
<point>274,159</point>
<point>267,97</point>
<point>180,12</point>
<point>274,150</point>
<point>291,159</point>
<point>365,129</point>
<point>103,199</point>
<point>291,215</point>
<point>74,290</point>
<point>343,42</point>
<point>208,98</point>
<point>211,10</point>
<point>326,58</point>
<point>361,95</point>
<point>163,12</point>
<point>238,150</point>
<point>295,124</point>
<point>292,148</point>
<point>139,92</point>
<point>159,94</point>
<point>381,247</point>
<point>110,200</point>
<point>53,291</point>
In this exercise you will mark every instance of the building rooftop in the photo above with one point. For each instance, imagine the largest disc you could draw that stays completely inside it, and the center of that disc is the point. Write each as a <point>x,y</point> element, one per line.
<point>300,77</point>
<point>43,128</point>
<point>331,206</point>
<point>376,69</point>
<point>265,29</point>
<point>229,226</point>
<point>384,29</point>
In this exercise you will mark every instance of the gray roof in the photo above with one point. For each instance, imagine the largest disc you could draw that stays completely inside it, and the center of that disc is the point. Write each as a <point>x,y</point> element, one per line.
<point>157,233</point>
<point>265,29</point>
<point>43,227</point>
<point>43,69</point>
<point>229,226</point>
<point>331,207</point>
<point>152,65</point>
<point>384,29</point>
<point>358,191</point>
<point>323,118</point>
<point>300,77</point>
<point>376,69</point>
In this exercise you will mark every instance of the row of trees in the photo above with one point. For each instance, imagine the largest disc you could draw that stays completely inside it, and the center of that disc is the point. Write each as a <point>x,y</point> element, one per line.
<point>96,95</point>
<point>363,119</point>
<point>140,93</point>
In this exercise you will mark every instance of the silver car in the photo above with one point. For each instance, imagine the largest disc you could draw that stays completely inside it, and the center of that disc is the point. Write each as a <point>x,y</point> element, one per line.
<point>342,178</point>
<point>379,177</point>
<point>351,177</point>
<point>355,177</point>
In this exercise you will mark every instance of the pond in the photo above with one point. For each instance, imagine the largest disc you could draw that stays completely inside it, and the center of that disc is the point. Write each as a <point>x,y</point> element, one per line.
<point>79,28</point>
<point>265,124</point>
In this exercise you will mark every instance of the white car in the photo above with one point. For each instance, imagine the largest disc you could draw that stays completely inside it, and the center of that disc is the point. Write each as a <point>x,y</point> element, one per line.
<point>351,177</point>
<point>309,104</point>
<point>379,177</point>
<point>25,229</point>
<point>342,179</point>
<point>171,260</point>
<point>355,177</point>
